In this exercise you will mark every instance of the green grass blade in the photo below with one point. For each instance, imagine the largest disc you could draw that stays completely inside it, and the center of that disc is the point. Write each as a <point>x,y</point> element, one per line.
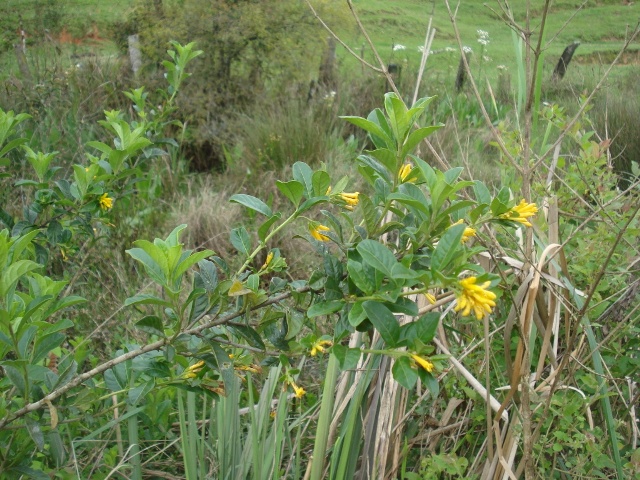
<point>324,419</point>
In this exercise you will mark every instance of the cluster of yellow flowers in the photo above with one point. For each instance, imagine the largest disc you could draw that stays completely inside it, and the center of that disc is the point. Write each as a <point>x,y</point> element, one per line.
<point>105,202</point>
<point>350,199</point>
<point>476,298</point>
<point>521,212</point>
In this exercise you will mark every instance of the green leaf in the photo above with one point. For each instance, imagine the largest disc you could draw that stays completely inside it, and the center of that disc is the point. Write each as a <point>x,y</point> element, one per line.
<point>416,137</point>
<point>263,230</point>
<point>12,274</point>
<point>376,166</point>
<point>377,255</point>
<point>426,327</point>
<point>139,392</point>
<point>370,127</point>
<point>145,299</point>
<point>369,212</point>
<point>500,204</point>
<point>293,190</point>
<point>208,275</point>
<point>35,432</point>
<point>321,183</point>
<point>191,260</point>
<point>357,315</point>
<point>44,345</point>
<point>151,324</point>
<point>481,192</point>
<point>249,334</point>
<point>325,308</point>
<point>252,203</point>
<point>58,451</point>
<point>303,174</point>
<point>398,118</point>
<point>403,373</point>
<point>152,258</point>
<point>240,240</point>
<point>359,277</point>
<point>16,377</point>
<point>347,357</point>
<point>447,247</point>
<point>384,321</point>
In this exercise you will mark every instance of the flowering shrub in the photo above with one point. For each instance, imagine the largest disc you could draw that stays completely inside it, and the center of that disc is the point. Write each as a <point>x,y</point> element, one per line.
<point>410,235</point>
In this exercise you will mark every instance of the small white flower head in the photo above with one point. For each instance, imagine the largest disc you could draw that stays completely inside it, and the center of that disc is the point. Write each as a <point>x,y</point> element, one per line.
<point>502,68</point>
<point>486,58</point>
<point>483,37</point>
<point>449,49</point>
<point>466,49</point>
<point>399,47</point>
<point>421,50</point>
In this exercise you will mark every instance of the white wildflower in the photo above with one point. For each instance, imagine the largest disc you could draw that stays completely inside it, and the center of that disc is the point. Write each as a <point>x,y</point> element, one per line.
<point>399,47</point>
<point>466,49</point>
<point>483,37</point>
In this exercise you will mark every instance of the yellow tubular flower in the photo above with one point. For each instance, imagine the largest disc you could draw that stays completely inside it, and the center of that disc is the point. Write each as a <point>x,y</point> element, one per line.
<point>316,232</point>
<point>468,232</point>
<point>253,368</point>
<point>319,347</point>
<point>521,212</point>
<point>267,261</point>
<point>105,202</point>
<point>192,371</point>
<point>430,298</point>
<point>475,297</point>
<point>423,362</point>
<point>328,192</point>
<point>350,199</point>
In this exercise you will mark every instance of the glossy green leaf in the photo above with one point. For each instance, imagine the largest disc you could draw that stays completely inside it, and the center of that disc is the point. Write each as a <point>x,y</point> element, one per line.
<point>377,255</point>
<point>325,308</point>
<point>447,247</point>
<point>384,321</point>
<point>403,373</point>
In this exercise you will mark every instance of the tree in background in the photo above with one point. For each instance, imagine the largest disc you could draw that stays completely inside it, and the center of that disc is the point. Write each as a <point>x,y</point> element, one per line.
<point>253,49</point>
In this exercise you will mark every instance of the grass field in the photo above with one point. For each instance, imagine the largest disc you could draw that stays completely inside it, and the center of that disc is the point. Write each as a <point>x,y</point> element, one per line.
<point>599,27</point>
